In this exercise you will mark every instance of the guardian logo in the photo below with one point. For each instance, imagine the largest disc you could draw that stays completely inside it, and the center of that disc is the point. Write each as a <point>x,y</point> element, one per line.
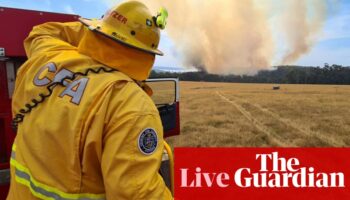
<point>281,173</point>
<point>262,173</point>
<point>285,173</point>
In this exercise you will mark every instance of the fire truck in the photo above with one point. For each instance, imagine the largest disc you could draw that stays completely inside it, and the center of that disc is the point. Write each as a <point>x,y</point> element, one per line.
<point>15,27</point>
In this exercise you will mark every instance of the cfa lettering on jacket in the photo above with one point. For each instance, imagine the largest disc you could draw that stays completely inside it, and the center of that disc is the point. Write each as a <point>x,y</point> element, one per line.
<point>74,89</point>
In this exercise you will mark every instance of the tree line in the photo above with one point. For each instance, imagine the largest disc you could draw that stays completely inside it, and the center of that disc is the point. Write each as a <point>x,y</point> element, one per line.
<point>329,74</point>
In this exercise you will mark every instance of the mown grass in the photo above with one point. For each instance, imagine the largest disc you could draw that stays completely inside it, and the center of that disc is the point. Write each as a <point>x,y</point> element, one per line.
<point>254,115</point>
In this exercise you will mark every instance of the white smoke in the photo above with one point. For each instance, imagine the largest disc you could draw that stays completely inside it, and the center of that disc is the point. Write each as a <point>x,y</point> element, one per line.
<point>237,36</point>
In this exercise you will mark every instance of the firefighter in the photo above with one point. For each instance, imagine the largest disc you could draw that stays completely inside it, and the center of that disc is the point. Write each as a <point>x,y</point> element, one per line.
<point>85,128</point>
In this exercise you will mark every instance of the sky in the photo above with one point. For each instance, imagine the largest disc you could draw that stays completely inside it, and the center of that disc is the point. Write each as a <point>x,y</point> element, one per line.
<point>332,46</point>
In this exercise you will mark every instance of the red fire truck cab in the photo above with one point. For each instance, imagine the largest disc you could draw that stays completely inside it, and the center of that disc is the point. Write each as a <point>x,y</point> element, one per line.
<point>15,26</point>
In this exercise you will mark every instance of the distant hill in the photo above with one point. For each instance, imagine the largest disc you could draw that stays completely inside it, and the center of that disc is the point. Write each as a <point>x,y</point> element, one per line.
<point>161,69</point>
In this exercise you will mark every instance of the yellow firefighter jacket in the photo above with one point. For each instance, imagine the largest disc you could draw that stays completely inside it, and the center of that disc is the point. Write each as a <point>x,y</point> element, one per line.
<point>96,136</point>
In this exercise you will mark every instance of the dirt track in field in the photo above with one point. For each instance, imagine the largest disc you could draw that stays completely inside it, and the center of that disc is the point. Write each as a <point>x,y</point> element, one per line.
<point>287,122</point>
<point>264,129</point>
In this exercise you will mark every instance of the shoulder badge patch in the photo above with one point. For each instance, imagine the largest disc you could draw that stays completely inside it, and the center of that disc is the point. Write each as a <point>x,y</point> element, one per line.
<point>148,141</point>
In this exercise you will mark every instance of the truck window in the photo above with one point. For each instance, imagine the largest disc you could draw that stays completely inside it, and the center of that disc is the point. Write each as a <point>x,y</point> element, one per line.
<point>164,92</point>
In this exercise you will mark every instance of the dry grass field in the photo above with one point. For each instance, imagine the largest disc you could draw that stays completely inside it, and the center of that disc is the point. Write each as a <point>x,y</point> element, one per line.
<point>254,115</point>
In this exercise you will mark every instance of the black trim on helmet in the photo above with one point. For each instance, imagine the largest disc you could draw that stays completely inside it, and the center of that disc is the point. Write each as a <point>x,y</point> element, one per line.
<point>120,41</point>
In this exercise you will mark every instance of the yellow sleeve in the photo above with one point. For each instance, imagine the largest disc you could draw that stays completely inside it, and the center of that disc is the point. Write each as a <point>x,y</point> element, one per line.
<point>53,36</point>
<point>130,158</point>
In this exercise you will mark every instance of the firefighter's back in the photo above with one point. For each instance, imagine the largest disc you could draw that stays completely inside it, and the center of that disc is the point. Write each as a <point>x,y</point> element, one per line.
<point>58,148</point>
<point>84,130</point>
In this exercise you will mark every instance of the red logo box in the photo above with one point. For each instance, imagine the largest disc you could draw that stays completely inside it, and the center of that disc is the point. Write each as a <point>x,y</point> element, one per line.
<point>262,173</point>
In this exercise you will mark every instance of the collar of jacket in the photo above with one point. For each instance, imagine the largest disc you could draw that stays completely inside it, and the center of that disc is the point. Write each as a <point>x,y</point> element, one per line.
<point>134,63</point>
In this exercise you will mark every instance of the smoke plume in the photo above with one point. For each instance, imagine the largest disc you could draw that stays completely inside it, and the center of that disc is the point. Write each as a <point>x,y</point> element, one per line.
<point>237,36</point>
<point>301,27</point>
